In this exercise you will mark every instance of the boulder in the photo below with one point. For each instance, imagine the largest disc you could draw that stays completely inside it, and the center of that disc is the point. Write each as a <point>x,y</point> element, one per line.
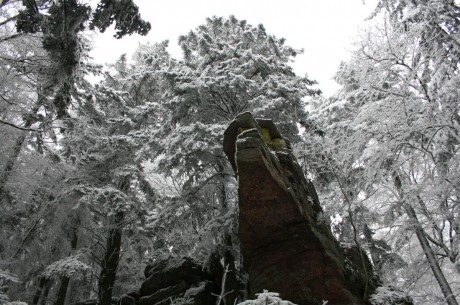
<point>165,293</point>
<point>202,294</point>
<point>178,279</point>
<point>166,273</point>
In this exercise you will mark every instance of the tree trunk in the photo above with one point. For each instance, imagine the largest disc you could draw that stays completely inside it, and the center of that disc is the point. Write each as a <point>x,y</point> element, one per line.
<point>62,291</point>
<point>232,288</point>
<point>110,261</point>
<point>428,251</point>
<point>38,293</point>
<point>6,172</point>
<point>378,264</point>
<point>48,285</point>
<point>65,280</point>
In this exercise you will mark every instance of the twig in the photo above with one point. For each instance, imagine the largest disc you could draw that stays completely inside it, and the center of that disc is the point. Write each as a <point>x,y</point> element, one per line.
<point>222,294</point>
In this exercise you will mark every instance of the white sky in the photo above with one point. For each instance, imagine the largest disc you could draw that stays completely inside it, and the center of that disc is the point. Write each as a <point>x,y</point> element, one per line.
<point>323,28</point>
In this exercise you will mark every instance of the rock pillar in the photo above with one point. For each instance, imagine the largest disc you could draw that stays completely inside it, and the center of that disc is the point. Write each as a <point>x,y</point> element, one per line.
<point>286,243</point>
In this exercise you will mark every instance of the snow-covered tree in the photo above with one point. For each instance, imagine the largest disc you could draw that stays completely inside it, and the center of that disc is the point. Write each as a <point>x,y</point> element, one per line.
<point>390,140</point>
<point>43,59</point>
<point>109,180</point>
<point>228,67</point>
<point>53,60</point>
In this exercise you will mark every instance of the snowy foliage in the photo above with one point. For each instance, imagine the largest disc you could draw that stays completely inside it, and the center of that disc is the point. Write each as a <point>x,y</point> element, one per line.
<point>387,295</point>
<point>231,67</point>
<point>71,267</point>
<point>387,145</point>
<point>228,67</point>
<point>267,298</point>
<point>8,277</point>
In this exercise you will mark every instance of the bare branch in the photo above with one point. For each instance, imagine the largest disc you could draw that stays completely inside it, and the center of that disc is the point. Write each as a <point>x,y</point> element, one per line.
<point>18,127</point>
<point>32,229</point>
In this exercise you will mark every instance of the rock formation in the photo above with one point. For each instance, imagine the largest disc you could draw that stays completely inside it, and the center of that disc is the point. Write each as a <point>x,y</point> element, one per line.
<point>174,281</point>
<point>287,246</point>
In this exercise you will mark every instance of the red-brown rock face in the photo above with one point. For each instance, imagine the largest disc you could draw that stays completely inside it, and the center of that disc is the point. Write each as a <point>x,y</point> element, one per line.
<point>286,246</point>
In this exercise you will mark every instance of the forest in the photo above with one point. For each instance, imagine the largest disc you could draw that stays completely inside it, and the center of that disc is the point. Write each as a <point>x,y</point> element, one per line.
<point>99,179</point>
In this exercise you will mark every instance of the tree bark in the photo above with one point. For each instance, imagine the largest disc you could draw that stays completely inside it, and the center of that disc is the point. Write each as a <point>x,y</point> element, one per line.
<point>6,172</point>
<point>65,280</point>
<point>9,165</point>
<point>48,285</point>
<point>110,261</point>
<point>38,293</point>
<point>378,264</point>
<point>428,251</point>
<point>62,291</point>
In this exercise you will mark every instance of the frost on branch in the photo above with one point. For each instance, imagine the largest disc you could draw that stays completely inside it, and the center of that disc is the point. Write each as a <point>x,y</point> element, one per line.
<point>6,276</point>
<point>267,298</point>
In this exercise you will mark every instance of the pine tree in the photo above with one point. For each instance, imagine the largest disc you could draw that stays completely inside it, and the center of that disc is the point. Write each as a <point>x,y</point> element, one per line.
<point>228,67</point>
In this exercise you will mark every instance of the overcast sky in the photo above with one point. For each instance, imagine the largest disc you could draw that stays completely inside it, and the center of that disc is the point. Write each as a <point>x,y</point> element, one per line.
<point>323,28</point>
